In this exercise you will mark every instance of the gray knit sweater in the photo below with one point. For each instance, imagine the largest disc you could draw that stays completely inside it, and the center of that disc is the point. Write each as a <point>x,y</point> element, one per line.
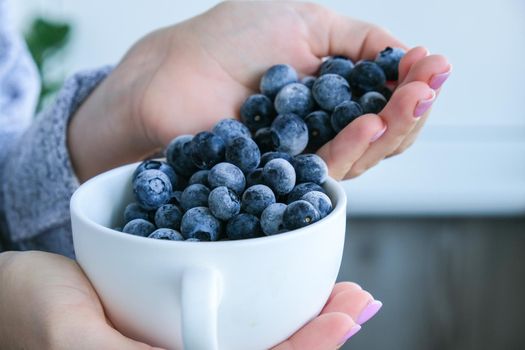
<point>36,176</point>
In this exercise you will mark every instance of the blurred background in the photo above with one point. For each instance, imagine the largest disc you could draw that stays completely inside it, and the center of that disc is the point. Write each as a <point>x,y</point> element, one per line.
<point>438,233</point>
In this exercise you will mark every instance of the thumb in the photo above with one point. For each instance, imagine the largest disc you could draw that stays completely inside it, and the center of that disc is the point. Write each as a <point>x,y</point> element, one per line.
<point>109,338</point>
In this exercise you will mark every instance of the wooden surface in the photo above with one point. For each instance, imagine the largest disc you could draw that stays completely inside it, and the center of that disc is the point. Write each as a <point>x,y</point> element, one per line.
<point>455,284</point>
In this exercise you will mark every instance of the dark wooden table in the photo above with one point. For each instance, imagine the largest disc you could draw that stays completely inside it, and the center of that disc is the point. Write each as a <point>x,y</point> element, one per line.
<point>446,283</point>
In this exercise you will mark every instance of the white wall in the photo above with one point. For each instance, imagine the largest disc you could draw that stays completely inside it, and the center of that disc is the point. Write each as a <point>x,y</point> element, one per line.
<point>470,158</point>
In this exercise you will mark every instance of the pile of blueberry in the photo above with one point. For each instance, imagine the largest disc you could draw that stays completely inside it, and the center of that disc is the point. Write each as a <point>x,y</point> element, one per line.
<point>252,178</point>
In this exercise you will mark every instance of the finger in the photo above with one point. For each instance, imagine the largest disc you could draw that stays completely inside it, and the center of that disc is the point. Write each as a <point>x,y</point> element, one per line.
<point>358,304</point>
<point>109,338</point>
<point>333,34</point>
<point>409,59</point>
<point>350,144</point>
<point>412,136</point>
<point>342,287</point>
<point>326,331</point>
<point>400,115</point>
<point>433,70</point>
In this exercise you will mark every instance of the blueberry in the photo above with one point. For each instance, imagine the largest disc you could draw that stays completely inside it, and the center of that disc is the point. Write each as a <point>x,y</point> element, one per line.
<point>344,114</point>
<point>308,81</point>
<point>192,240</point>
<point>299,214</point>
<point>200,223</point>
<point>135,211</point>
<point>263,139</point>
<point>166,234</point>
<point>330,90</point>
<point>168,216</point>
<point>152,188</point>
<point>162,166</point>
<point>289,134</point>
<point>257,112</point>
<point>194,196</point>
<point>385,91</point>
<point>302,189</point>
<point>229,175</point>
<point>244,153</point>
<point>275,78</point>
<point>255,177</point>
<point>272,219</point>
<point>366,76</point>
<point>310,168</point>
<point>256,198</point>
<point>320,129</point>
<point>388,60</point>
<point>279,175</point>
<point>337,65</point>
<point>228,129</point>
<point>372,102</point>
<point>224,203</point>
<point>139,227</point>
<point>207,149</point>
<point>199,177</point>
<point>294,98</point>
<point>265,158</point>
<point>178,155</point>
<point>320,201</point>
<point>175,198</point>
<point>243,226</point>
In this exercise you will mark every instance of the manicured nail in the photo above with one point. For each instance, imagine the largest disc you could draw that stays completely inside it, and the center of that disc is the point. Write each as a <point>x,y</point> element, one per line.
<point>370,310</point>
<point>438,79</point>
<point>378,134</point>
<point>356,328</point>
<point>423,105</point>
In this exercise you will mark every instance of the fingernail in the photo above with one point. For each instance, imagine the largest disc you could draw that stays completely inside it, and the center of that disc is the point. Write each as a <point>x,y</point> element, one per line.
<point>356,328</point>
<point>438,79</point>
<point>370,310</point>
<point>423,105</point>
<point>378,134</point>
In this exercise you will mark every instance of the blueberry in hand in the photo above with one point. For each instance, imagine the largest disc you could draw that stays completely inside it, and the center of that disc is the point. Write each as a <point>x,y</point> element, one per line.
<point>244,153</point>
<point>228,129</point>
<point>152,188</point>
<point>310,168</point>
<point>272,219</point>
<point>289,134</point>
<point>168,216</point>
<point>207,149</point>
<point>256,198</point>
<point>279,175</point>
<point>199,177</point>
<point>200,223</point>
<point>162,166</point>
<point>194,196</point>
<point>255,177</point>
<point>302,189</point>
<point>388,60</point>
<point>224,203</point>
<point>320,201</point>
<point>257,112</point>
<point>166,234</point>
<point>308,81</point>
<point>299,214</point>
<point>320,129</point>
<point>372,102</point>
<point>266,157</point>
<point>294,98</point>
<point>243,226</point>
<point>139,227</point>
<point>135,211</point>
<point>178,155</point>
<point>367,76</point>
<point>275,78</point>
<point>229,175</point>
<point>344,114</point>
<point>263,139</point>
<point>337,65</point>
<point>330,90</point>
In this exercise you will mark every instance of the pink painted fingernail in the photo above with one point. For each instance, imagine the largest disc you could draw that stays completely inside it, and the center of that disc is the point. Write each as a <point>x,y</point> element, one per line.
<point>370,310</point>
<point>356,328</point>
<point>423,105</point>
<point>378,134</point>
<point>438,79</point>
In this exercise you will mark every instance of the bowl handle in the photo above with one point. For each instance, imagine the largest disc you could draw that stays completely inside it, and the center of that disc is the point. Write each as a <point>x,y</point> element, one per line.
<point>201,294</point>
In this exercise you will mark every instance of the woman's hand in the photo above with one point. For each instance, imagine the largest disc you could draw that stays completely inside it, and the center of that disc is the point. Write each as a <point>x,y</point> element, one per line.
<point>184,78</point>
<point>46,302</point>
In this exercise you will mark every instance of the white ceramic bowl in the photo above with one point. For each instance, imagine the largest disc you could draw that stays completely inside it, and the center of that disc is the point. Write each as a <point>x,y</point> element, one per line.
<point>245,294</point>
